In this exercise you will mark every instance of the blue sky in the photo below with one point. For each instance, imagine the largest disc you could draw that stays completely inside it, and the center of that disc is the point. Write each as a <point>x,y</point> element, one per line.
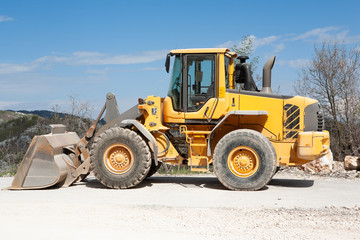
<point>52,49</point>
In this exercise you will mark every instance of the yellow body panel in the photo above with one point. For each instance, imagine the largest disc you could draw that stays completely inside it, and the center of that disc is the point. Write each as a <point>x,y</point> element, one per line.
<point>293,146</point>
<point>171,116</point>
<point>153,113</point>
<point>290,152</point>
<point>309,146</point>
<point>273,106</point>
<point>231,73</point>
<point>217,109</point>
<point>221,78</point>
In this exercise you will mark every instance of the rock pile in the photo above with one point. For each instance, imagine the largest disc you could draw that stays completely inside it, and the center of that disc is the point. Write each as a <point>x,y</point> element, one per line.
<point>323,164</point>
<point>352,163</point>
<point>326,167</point>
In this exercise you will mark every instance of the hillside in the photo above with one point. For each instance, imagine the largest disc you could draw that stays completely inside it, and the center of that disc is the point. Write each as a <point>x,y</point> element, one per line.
<point>17,130</point>
<point>6,116</point>
<point>41,113</point>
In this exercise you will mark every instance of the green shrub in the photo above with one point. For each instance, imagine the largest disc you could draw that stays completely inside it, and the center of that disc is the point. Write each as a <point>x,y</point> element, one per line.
<point>16,127</point>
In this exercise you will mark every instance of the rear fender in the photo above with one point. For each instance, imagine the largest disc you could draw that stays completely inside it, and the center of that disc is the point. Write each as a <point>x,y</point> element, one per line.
<point>232,113</point>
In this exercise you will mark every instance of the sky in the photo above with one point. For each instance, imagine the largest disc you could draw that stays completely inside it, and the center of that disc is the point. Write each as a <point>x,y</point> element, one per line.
<point>50,50</point>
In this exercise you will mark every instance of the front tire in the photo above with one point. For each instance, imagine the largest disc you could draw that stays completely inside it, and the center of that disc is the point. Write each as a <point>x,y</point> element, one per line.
<point>120,158</point>
<point>244,160</point>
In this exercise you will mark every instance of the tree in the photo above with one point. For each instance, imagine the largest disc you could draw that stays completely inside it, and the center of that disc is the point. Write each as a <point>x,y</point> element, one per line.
<point>77,119</point>
<point>333,77</point>
<point>246,48</point>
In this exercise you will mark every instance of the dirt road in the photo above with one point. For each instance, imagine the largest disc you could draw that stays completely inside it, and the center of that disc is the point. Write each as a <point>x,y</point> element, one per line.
<point>191,207</point>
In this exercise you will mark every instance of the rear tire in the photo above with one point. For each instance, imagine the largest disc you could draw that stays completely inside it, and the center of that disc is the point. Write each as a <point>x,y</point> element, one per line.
<point>120,158</point>
<point>244,160</point>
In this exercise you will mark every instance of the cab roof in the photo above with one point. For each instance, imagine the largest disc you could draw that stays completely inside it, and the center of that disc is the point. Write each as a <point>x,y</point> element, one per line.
<point>200,50</point>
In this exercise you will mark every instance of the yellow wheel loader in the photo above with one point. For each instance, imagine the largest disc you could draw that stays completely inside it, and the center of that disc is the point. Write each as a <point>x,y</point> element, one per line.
<point>214,115</point>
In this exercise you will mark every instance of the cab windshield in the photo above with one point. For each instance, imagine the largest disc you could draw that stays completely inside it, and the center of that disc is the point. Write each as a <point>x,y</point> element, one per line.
<point>175,84</point>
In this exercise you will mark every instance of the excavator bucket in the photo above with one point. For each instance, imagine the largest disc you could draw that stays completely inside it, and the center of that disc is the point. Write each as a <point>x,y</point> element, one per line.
<point>50,160</point>
<point>60,158</point>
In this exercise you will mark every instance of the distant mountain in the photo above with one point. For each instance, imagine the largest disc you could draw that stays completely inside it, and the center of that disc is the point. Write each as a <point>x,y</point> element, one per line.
<point>42,113</point>
<point>6,116</point>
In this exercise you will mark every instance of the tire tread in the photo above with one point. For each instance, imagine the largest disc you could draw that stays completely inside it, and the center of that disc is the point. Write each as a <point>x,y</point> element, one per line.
<point>252,135</point>
<point>130,135</point>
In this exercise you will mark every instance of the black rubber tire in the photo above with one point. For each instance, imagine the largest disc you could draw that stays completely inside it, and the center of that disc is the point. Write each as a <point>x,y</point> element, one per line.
<point>276,170</point>
<point>141,153</point>
<point>263,148</point>
<point>153,168</point>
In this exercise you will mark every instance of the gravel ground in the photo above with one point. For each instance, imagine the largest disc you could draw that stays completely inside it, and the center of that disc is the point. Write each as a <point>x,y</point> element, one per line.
<point>186,207</point>
<point>338,171</point>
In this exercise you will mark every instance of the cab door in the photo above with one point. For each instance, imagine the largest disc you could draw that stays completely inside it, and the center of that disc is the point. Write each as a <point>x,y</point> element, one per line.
<point>199,86</point>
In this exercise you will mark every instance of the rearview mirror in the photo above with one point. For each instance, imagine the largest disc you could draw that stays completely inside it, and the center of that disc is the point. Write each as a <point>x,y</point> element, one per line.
<point>167,63</point>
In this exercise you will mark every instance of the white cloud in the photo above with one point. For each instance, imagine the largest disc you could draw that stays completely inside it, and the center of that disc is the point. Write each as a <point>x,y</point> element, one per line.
<point>278,43</point>
<point>94,58</point>
<point>87,54</point>
<point>227,44</point>
<point>6,68</point>
<point>97,71</point>
<point>5,18</point>
<point>50,59</point>
<point>264,41</point>
<point>332,33</point>
<point>257,42</point>
<point>296,63</point>
<point>84,59</point>
<point>317,32</point>
<point>350,39</point>
<point>279,47</point>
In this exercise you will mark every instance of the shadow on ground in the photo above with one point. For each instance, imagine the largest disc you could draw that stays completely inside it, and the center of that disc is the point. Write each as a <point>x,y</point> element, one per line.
<point>291,183</point>
<point>201,182</point>
<point>188,181</point>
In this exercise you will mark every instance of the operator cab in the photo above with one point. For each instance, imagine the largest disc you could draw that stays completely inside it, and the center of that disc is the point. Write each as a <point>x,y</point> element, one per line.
<point>202,81</point>
<point>195,73</point>
<point>191,92</point>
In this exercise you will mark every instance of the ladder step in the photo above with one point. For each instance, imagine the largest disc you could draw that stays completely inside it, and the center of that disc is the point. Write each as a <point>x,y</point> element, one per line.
<point>198,145</point>
<point>197,132</point>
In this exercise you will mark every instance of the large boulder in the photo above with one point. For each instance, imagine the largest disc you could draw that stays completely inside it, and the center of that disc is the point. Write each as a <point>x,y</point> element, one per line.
<point>352,163</point>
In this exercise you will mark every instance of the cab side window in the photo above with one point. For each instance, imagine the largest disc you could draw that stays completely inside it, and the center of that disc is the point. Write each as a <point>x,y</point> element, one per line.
<point>200,80</point>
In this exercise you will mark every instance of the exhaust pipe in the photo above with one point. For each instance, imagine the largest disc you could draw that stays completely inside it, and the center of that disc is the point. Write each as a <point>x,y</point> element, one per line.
<point>267,75</point>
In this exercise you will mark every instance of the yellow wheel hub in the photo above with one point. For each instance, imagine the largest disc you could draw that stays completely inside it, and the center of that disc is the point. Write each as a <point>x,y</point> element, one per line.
<point>118,158</point>
<point>243,161</point>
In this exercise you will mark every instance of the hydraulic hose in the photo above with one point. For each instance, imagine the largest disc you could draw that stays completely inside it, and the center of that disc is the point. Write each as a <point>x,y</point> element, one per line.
<point>167,142</point>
